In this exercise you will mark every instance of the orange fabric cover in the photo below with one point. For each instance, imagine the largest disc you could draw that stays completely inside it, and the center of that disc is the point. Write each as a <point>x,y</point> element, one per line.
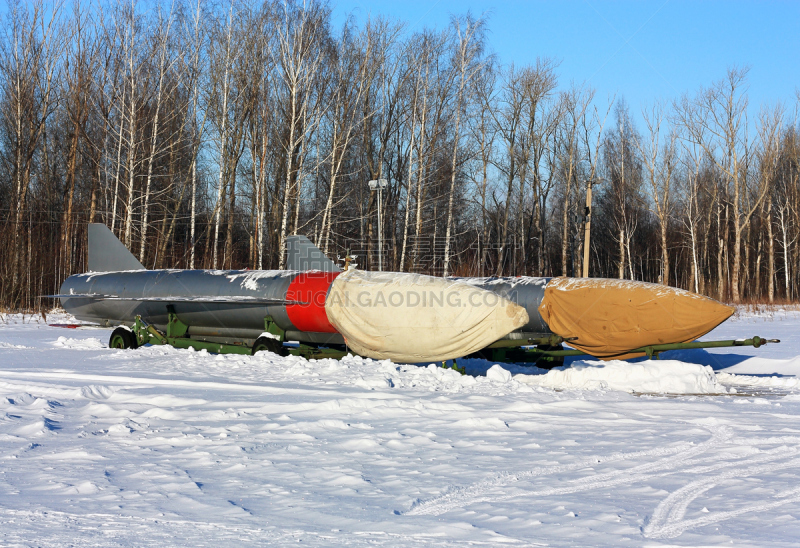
<point>613,317</point>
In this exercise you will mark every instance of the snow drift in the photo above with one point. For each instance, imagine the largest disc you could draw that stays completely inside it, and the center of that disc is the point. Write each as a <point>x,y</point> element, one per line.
<point>658,377</point>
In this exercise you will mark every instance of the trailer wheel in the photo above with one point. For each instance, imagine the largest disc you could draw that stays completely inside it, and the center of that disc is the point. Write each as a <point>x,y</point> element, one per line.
<point>270,345</point>
<point>122,338</point>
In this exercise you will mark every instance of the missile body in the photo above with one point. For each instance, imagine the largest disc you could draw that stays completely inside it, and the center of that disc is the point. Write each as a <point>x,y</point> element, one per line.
<point>228,304</point>
<point>214,303</point>
<point>387,315</point>
<point>607,318</point>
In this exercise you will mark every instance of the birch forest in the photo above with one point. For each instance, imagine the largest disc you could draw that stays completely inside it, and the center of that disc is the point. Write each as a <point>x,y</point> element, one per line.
<point>203,134</point>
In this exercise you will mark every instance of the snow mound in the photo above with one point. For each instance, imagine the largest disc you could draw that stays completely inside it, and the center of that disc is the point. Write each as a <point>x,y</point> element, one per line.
<point>498,374</point>
<point>5,345</point>
<point>91,343</point>
<point>762,367</point>
<point>658,377</point>
<point>760,382</point>
<point>97,392</point>
<point>56,315</point>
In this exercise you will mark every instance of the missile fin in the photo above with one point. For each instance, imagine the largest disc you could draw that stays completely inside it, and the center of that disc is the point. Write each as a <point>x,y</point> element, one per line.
<point>302,255</point>
<point>107,253</point>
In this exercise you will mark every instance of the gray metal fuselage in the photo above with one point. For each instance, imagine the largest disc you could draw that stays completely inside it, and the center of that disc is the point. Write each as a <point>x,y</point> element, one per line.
<point>232,319</point>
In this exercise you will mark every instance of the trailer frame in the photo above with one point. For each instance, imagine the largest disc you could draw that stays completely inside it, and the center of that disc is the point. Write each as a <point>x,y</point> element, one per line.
<point>541,350</point>
<point>176,334</point>
<point>545,352</point>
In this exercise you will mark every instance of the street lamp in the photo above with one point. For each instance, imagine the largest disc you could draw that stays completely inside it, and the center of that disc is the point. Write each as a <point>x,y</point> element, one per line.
<point>379,185</point>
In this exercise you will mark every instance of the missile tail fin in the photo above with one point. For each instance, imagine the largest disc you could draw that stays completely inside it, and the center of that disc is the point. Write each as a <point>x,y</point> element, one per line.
<point>107,253</point>
<point>302,255</point>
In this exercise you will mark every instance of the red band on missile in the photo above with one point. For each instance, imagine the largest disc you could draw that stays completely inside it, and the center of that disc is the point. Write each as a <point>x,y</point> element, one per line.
<point>310,288</point>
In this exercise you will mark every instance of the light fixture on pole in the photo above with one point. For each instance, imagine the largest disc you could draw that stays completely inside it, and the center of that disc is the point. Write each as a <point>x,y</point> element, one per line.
<point>379,185</point>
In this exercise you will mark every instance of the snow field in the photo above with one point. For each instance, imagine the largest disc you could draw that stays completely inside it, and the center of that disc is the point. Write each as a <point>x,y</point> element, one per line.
<point>160,446</point>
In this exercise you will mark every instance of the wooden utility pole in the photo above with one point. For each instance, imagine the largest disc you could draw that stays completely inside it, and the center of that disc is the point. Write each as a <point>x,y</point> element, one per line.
<point>587,227</point>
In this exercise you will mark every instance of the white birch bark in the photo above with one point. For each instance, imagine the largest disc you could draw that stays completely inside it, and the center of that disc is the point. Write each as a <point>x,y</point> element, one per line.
<point>132,133</point>
<point>469,44</point>
<point>223,138</point>
<point>162,68</point>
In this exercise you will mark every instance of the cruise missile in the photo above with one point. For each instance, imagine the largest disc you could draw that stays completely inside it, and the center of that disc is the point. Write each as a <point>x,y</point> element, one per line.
<point>403,317</point>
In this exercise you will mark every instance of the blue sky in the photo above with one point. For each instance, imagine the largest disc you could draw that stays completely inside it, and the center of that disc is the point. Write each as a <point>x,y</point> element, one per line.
<point>640,50</point>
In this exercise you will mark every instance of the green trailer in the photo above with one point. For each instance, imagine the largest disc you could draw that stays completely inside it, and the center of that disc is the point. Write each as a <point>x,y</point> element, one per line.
<point>546,352</point>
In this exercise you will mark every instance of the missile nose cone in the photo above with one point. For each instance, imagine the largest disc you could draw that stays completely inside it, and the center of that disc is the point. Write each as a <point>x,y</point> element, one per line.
<point>414,318</point>
<point>613,317</point>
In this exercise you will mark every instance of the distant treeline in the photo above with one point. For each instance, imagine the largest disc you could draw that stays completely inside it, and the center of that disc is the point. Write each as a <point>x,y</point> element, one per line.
<point>204,133</point>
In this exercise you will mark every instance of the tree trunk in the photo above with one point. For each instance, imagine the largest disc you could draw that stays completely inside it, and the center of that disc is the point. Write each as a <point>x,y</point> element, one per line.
<point>506,211</point>
<point>770,255</point>
<point>448,230</point>
<point>119,163</point>
<point>131,157</point>
<point>664,254</point>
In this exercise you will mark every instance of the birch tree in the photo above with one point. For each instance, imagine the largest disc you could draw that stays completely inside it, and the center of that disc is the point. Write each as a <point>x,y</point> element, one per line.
<point>716,120</point>
<point>161,40</point>
<point>299,56</point>
<point>659,163</point>
<point>195,45</point>
<point>470,43</point>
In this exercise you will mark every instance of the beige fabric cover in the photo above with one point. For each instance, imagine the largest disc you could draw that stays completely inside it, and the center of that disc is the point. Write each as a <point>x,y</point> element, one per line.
<point>612,317</point>
<point>413,318</point>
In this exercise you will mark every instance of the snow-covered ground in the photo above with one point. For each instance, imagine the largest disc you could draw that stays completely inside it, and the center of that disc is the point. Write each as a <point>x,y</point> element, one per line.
<point>166,447</point>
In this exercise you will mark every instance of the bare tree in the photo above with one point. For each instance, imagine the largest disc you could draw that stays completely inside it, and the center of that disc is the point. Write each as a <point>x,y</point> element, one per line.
<point>161,40</point>
<point>299,57</point>
<point>29,65</point>
<point>659,162</point>
<point>769,129</point>
<point>221,97</point>
<point>483,132</point>
<point>194,72</point>
<point>470,45</point>
<point>716,121</point>
<point>353,71</point>
<point>80,58</point>
<point>539,82</point>
<point>508,119</point>
<point>574,104</point>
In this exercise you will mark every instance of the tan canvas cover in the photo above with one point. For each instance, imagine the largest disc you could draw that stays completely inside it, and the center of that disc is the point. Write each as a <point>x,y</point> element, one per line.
<point>413,318</point>
<point>612,317</point>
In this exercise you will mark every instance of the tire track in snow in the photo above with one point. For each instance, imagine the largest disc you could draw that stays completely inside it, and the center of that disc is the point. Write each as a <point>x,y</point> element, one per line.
<point>674,507</point>
<point>676,529</point>
<point>667,519</point>
<point>266,386</point>
<point>671,458</point>
<point>47,527</point>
